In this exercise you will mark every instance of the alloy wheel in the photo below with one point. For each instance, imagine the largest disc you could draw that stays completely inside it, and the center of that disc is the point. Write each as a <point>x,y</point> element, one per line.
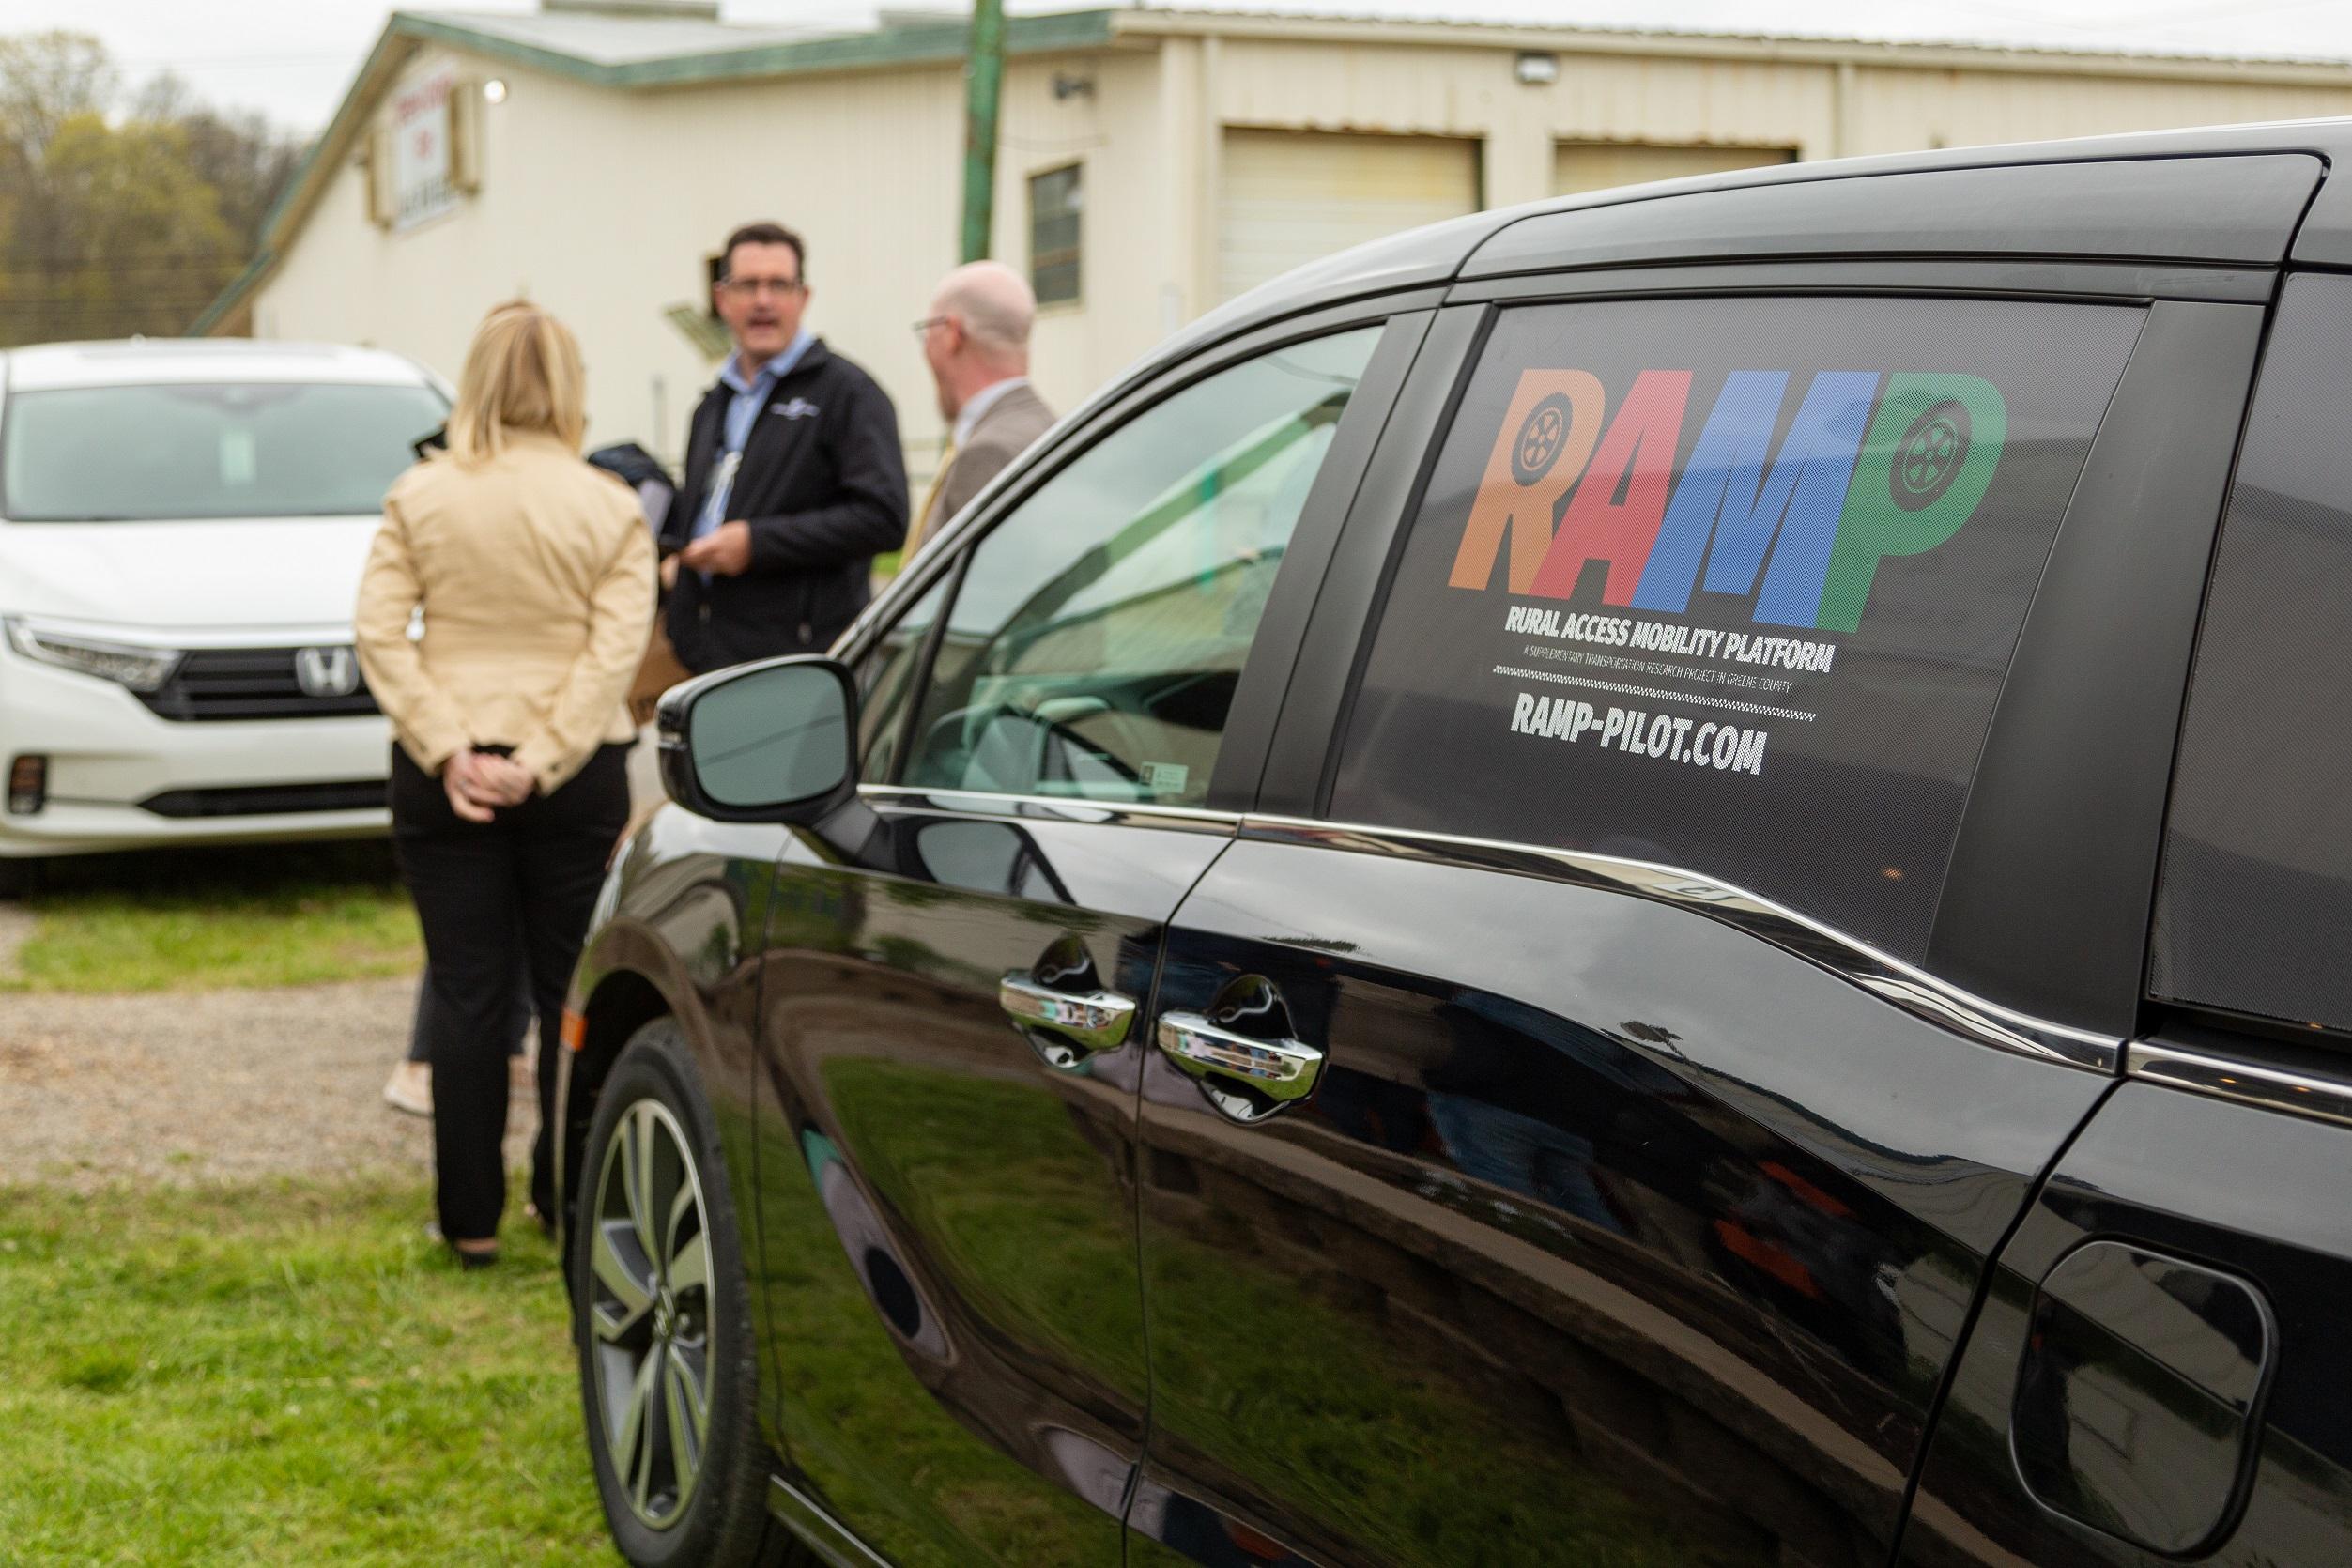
<point>650,1312</point>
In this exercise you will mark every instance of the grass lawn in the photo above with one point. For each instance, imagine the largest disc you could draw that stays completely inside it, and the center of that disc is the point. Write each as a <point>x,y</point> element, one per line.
<point>190,919</point>
<point>287,1374</point>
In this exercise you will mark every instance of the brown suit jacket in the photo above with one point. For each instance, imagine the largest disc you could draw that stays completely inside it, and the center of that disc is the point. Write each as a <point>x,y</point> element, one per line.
<point>1003,433</point>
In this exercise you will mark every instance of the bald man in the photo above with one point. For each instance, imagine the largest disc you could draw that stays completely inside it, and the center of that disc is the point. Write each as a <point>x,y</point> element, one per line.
<point>977,342</point>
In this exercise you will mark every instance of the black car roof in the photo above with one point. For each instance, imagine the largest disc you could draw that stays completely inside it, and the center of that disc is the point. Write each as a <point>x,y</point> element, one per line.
<point>2230,195</point>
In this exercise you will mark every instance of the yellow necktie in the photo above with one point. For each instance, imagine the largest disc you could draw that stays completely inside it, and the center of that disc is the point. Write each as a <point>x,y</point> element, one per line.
<point>921,528</point>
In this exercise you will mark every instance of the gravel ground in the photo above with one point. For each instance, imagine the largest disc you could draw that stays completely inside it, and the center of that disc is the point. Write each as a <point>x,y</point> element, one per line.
<point>223,1085</point>
<point>211,1085</point>
<point>220,1085</point>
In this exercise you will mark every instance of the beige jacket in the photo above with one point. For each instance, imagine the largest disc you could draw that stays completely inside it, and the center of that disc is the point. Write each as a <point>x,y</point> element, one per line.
<point>535,573</point>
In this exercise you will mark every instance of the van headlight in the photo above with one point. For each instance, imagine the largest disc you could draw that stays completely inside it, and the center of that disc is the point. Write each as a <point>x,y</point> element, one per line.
<point>125,664</point>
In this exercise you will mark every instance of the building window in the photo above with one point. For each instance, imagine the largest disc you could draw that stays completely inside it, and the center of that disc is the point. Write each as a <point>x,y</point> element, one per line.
<point>1054,200</point>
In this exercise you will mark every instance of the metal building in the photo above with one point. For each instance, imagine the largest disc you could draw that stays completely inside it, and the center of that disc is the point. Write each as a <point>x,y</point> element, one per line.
<point>1153,162</point>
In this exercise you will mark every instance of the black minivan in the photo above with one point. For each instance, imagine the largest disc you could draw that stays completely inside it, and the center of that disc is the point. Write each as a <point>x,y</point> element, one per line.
<point>1660,881</point>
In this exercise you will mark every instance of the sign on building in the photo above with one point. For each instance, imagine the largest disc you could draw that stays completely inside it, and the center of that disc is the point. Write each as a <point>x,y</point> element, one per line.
<point>423,158</point>
<point>424,183</point>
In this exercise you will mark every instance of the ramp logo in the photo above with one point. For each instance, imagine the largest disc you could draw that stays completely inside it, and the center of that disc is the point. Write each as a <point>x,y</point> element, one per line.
<point>1873,466</point>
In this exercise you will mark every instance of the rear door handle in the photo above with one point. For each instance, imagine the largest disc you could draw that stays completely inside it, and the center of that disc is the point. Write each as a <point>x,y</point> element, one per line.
<point>1246,1077</point>
<point>1096,1019</point>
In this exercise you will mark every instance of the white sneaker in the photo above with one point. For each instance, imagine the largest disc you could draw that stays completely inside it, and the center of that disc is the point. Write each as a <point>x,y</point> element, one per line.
<point>410,1088</point>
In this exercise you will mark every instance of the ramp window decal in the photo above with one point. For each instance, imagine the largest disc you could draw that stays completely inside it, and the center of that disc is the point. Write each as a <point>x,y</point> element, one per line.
<point>1732,584</point>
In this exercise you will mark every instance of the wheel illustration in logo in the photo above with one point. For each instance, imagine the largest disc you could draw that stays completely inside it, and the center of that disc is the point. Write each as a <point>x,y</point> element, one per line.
<point>1541,438</point>
<point>1930,456</point>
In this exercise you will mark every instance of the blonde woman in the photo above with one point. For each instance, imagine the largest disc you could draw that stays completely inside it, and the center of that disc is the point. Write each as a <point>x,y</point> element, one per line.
<point>535,576</point>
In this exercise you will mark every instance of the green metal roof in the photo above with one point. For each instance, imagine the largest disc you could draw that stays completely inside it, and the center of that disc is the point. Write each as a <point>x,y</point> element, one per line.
<point>708,56</point>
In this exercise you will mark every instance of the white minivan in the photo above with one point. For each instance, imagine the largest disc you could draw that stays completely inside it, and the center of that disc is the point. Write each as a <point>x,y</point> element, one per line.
<point>182,527</point>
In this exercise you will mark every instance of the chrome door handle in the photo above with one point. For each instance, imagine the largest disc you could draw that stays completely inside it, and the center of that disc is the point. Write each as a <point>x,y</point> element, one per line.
<point>1098,1019</point>
<point>1246,1077</point>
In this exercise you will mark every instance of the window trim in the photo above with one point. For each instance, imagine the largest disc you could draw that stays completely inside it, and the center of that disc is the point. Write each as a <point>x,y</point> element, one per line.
<point>2232,1071</point>
<point>1079,432</point>
<point>1916,991</point>
<point>1953,277</point>
<point>991,806</point>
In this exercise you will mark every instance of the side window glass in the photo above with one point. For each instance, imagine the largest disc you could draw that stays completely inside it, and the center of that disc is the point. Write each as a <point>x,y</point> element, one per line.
<point>2254,905</point>
<point>885,676</point>
<point>1730,585</point>
<point>1099,634</point>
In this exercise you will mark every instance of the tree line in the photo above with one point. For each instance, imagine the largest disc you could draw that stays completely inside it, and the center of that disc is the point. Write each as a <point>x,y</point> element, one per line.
<point>122,209</point>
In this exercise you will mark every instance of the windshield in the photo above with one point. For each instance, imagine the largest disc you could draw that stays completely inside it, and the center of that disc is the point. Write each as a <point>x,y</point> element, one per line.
<point>102,454</point>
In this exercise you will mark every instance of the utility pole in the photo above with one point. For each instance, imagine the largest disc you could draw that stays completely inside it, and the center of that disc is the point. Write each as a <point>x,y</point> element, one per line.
<point>984,81</point>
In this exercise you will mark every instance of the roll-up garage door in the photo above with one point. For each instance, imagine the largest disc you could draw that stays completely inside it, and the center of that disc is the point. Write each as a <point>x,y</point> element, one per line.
<point>1290,196</point>
<point>1599,166</point>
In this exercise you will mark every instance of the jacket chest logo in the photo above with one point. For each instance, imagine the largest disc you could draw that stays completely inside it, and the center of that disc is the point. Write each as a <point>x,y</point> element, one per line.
<point>799,407</point>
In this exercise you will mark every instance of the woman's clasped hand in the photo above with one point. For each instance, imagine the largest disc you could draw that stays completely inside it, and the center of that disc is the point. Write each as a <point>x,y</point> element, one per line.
<point>482,783</point>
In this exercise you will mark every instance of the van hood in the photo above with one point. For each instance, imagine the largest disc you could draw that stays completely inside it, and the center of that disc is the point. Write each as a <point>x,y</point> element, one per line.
<point>199,576</point>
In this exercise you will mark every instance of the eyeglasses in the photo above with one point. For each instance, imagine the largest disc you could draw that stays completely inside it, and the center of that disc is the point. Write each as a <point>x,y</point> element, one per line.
<point>746,288</point>
<point>927,322</point>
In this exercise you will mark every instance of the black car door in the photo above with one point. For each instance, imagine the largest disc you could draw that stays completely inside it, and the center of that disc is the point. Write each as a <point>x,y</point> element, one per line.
<point>2160,1369</point>
<point>951,1012</point>
<point>1585,1100</point>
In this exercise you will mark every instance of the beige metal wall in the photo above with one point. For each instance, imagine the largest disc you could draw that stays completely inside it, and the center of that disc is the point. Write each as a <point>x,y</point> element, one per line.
<point>1736,93</point>
<point>1133,287</point>
<point>1473,92</point>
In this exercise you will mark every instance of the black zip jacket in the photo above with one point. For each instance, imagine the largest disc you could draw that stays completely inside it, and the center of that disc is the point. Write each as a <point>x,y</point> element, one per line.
<point>823,488</point>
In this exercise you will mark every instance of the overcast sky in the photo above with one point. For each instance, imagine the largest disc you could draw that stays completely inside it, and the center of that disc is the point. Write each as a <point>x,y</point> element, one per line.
<point>292,59</point>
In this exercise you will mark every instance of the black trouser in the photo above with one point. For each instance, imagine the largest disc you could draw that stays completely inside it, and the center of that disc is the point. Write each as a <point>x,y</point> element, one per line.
<point>517,1021</point>
<point>494,897</point>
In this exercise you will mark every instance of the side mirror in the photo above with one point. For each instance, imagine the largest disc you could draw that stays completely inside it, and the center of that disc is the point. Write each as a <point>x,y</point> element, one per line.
<point>772,741</point>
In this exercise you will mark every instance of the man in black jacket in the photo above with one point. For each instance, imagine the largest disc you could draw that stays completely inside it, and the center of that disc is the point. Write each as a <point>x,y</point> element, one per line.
<point>793,480</point>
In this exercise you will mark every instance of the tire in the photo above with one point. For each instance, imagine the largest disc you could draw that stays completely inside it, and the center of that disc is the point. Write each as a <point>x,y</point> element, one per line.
<point>650,1319</point>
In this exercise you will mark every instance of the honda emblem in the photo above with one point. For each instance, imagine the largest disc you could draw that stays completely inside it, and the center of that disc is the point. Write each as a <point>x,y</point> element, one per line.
<point>327,671</point>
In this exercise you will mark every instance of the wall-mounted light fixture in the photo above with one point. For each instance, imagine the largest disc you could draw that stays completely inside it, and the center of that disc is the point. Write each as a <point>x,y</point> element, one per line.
<point>1537,69</point>
<point>494,91</point>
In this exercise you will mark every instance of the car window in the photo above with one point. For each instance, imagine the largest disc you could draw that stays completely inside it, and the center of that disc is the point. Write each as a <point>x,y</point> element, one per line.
<point>282,449</point>
<point>2253,904</point>
<point>1731,586</point>
<point>1099,632</point>
<point>885,675</point>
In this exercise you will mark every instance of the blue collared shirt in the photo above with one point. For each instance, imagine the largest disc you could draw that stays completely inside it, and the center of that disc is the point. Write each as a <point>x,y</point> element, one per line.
<point>751,395</point>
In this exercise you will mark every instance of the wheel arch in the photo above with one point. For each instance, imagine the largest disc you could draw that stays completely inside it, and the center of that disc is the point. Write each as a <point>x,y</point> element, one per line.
<point>623,1002</point>
<point>613,1001</point>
